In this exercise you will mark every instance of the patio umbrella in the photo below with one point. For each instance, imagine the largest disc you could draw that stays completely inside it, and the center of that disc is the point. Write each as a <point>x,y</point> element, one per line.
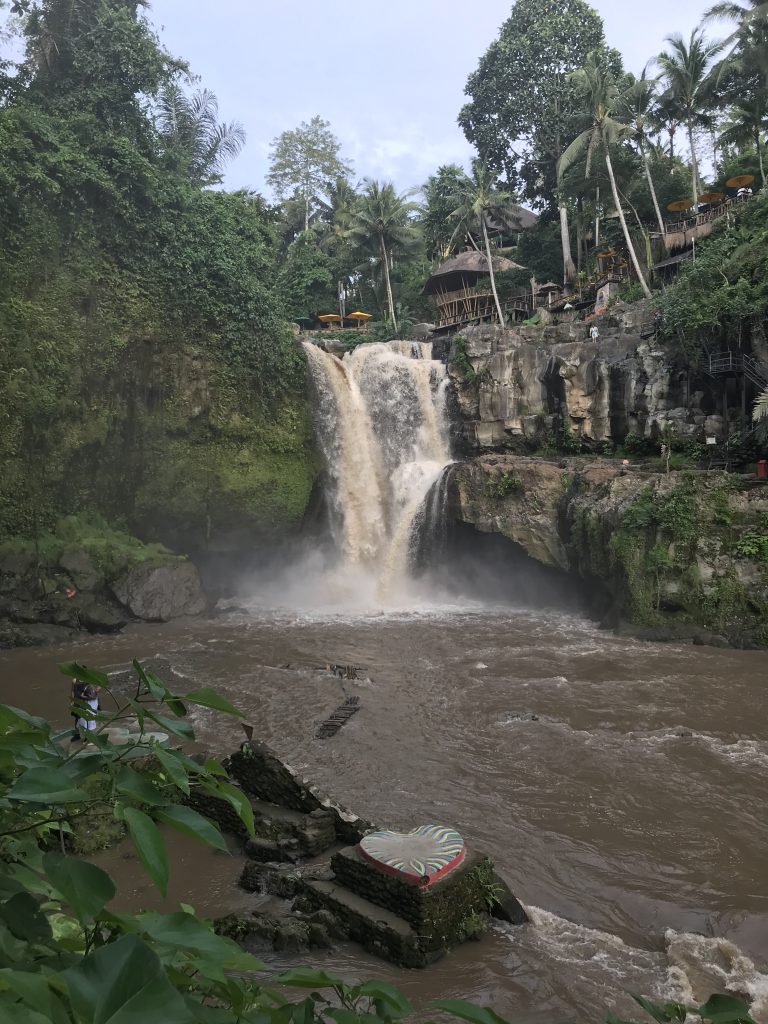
<point>679,205</point>
<point>740,181</point>
<point>359,316</point>
<point>708,198</point>
<point>330,318</point>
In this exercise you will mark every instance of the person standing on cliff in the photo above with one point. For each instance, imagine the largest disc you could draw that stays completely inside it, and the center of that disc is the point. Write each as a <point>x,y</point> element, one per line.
<point>594,333</point>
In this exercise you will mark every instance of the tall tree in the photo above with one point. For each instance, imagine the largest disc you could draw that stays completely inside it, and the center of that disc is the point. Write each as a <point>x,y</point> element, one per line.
<point>687,69</point>
<point>639,103</point>
<point>522,112</point>
<point>747,124</point>
<point>597,87</point>
<point>477,199</point>
<point>190,126</point>
<point>383,220</point>
<point>440,190</point>
<point>304,161</point>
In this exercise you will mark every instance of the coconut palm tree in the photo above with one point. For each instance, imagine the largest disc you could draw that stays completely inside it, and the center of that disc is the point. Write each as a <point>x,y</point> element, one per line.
<point>687,68</point>
<point>748,122</point>
<point>760,411</point>
<point>638,108</point>
<point>476,200</point>
<point>745,14</point>
<point>190,126</point>
<point>383,219</point>
<point>597,87</point>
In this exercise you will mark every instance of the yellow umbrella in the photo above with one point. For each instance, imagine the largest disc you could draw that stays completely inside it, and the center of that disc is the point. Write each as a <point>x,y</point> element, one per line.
<point>740,181</point>
<point>359,316</point>
<point>711,197</point>
<point>329,318</point>
<point>679,205</point>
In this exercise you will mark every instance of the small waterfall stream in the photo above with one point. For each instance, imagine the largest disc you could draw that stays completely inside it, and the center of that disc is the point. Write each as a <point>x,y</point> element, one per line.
<point>382,428</point>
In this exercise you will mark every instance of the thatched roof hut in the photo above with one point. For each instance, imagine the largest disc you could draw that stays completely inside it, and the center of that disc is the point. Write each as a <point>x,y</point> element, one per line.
<point>463,271</point>
<point>510,219</point>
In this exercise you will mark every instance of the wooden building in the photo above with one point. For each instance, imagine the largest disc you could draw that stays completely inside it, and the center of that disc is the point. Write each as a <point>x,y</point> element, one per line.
<point>461,288</point>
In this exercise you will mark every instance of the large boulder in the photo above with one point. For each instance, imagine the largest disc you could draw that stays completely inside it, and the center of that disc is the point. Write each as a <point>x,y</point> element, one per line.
<point>158,593</point>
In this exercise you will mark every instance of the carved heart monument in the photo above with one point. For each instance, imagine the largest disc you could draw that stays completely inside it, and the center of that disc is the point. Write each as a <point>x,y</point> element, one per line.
<point>421,856</point>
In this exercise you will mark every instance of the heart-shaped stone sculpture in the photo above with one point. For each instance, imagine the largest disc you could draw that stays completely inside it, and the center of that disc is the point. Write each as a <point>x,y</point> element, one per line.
<point>420,856</point>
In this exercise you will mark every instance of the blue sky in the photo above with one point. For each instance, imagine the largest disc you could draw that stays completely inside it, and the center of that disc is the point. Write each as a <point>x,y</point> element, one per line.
<point>389,77</point>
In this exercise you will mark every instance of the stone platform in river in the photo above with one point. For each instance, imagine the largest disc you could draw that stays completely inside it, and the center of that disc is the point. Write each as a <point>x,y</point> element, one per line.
<point>322,873</point>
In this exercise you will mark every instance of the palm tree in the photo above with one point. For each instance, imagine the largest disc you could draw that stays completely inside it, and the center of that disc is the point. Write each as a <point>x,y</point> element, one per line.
<point>748,121</point>
<point>337,212</point>
<point>477,199</point>
<point>597,86</point>
<point>639,102</point>
<point>745,14</point>
<point>190,125</point>
<point>687,68</point>
<point>760,412</point>
<point>383,219</point>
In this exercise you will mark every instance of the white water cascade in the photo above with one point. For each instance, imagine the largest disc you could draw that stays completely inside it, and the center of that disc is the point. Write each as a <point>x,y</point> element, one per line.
<point>382,428</point>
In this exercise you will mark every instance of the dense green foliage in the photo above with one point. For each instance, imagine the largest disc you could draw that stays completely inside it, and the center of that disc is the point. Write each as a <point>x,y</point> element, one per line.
<point>723,295</point>
<point>135,306</point>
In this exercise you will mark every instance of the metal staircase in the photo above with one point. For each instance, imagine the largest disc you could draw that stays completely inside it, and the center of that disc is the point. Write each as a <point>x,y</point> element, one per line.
<point>720,363</point>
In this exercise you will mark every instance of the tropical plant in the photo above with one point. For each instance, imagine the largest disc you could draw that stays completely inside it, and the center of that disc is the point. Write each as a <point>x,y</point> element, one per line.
<point>190,127</point>
<point>687,69</point>
<point>478,198</point>
<point>383,222</point>
<point>439,192</point>
<point>596,85</point>
<point>761,406</point>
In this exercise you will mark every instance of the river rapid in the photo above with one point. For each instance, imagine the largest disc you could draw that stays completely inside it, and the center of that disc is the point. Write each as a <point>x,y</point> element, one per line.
<point>619,785</point>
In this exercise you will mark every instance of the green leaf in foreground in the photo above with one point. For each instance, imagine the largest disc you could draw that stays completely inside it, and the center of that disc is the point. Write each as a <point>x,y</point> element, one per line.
<point>386,997</point>
<point>188,821</point>
<point>149,846</point>
<point>83,674</point>
<point>307,977</point>
<point>468,1011</point>
<point>124,983</point>
<point>85,887</point>
<point>46,786</point>
<point>210,699</point>
<point>721,1009</point>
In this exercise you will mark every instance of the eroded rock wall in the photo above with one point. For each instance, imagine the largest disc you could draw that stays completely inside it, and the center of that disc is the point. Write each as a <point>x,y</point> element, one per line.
<point>682,551</point>
<point>516,385</point>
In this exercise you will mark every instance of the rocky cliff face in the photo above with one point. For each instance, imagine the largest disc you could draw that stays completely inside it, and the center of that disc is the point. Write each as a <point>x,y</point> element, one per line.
<point>516,385</point>
<point>679,551</point>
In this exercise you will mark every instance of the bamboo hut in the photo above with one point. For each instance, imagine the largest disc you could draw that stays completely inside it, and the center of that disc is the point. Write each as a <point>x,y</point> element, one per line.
<point>462,290</point>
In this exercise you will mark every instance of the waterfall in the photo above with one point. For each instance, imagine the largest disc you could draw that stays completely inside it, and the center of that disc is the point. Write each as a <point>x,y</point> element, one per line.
<point>429,533</point>
<point>381,425</point>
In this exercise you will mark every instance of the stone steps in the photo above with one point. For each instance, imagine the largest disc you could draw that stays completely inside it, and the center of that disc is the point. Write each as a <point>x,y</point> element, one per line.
<point>378,930</point>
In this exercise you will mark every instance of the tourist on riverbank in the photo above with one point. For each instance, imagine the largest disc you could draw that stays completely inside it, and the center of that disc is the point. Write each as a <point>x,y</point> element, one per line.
<point>84,695</point>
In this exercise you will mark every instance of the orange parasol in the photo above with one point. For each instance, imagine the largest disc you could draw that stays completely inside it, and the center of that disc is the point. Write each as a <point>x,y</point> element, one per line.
<point>679,205</point>
<point>740,181</point>
<point>329,318</point>
<point>359,316</point>
<point>708,198</point>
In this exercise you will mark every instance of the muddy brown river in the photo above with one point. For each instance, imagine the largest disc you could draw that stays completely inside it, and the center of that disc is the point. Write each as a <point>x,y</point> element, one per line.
<point>620,786</point>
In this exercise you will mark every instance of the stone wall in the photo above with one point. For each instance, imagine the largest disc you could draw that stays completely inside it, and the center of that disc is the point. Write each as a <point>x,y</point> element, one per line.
<point>261,773</point>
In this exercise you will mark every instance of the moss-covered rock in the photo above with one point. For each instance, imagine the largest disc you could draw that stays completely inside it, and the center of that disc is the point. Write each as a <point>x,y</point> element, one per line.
<point>688,549</point>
